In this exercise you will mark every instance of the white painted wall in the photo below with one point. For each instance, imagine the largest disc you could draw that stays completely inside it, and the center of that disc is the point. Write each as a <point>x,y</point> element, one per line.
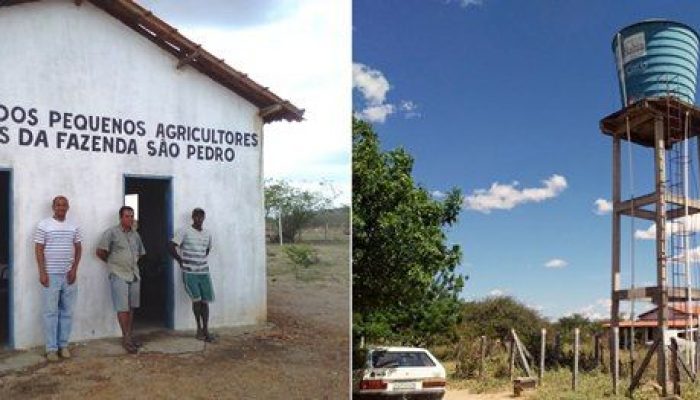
<point>58,56</point>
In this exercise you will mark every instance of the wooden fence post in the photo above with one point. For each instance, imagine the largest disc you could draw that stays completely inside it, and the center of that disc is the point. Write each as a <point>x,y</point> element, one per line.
<point>615,356</point>
<point>696,360</point>
<point>574,383</point>
<point>596,349</point>
<point>482,355</point>
<point>511,364</point>
<point>675,372</point>
<point>522,351</point>
<point>542,354</point>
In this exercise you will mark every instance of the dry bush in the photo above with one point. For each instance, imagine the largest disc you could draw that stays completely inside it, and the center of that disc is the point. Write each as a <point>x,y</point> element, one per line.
<point>468,360</point>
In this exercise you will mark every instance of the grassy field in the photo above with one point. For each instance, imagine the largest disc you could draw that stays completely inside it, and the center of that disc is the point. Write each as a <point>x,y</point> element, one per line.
<point>333,258</point>
<point>557,383</point>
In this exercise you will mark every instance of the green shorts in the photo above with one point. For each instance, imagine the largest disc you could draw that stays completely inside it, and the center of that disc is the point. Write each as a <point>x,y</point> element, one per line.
<point>198,286</point>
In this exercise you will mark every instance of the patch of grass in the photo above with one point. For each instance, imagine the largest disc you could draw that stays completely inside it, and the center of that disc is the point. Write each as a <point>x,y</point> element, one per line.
<point>597,385</point>
<point>487,384</point>
<point>557,385</point>
<point>333,262</point>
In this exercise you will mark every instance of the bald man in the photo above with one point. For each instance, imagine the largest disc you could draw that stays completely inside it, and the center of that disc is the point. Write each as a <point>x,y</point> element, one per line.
<point>57,246</point>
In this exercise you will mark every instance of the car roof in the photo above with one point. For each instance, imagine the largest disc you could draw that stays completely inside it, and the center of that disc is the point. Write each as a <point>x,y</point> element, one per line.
<point>396,348</point>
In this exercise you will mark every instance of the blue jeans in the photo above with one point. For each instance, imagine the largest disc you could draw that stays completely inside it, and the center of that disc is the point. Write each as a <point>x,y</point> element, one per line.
<point>59,299</point>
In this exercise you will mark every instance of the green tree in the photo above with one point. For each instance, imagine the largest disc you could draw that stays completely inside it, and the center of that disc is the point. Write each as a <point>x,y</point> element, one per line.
<point>405,288</point>
<point>566,325</point>
<point>298,207</point>
<point>494,317</point>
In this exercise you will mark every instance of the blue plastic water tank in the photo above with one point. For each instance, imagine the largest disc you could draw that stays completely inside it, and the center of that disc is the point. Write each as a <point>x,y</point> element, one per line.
<point>658,58</point>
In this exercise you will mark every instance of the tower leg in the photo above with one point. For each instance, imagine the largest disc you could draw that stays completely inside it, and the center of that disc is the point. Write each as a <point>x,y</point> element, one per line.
<point>662,295</point>
<point>615,302</point>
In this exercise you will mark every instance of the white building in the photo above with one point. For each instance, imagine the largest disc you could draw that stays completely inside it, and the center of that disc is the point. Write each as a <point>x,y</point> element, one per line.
<point>101,101</point>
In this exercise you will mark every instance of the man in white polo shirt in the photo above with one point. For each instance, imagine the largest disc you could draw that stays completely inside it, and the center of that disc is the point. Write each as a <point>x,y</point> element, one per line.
<point>58,249</point>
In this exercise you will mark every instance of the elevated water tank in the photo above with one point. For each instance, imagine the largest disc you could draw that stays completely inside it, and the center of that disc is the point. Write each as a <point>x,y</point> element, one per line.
<point>656,58</point>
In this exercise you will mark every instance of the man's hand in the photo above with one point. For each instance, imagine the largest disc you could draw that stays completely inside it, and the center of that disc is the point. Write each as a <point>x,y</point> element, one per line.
<point>102,254</point>
<point>72,274</point>
<point>44,278</point>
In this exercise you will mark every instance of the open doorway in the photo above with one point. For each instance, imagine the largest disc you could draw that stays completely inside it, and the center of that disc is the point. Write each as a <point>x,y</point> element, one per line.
<point>151,200</point>
<point>5,256</point>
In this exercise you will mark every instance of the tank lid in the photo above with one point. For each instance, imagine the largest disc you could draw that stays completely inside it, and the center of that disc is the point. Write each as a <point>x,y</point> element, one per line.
<point>655,21</point>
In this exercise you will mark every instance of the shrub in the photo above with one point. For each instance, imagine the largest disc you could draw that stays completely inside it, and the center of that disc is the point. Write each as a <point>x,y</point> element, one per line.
<point>301,256</point>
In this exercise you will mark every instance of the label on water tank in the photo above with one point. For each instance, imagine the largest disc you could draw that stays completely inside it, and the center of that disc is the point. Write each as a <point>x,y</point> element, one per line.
<point>634,46</point>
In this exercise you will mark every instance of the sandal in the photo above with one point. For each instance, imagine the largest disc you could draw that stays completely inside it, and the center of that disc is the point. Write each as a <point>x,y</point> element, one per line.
<point>210,338</point>
<point>130,348</point>
<point>136,343</point>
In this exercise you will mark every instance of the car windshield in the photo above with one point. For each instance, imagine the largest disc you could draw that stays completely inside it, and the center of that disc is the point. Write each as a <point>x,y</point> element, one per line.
<point>400,359</point>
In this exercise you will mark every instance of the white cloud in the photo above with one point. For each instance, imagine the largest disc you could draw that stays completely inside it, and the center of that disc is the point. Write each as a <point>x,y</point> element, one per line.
<point>606,302</point>
<point>646,234</point>
<point>497,293</point>
<point>370,82</point>
<point>694,256</point>
<point>592,312</point>
<point>599,309</point>
<point>602,206</point>
<point>409,109</point>
<point>556,263</point>
<point>373,86</point>
<point>408,105</point>
<point>376,113</point>
<point>677,226</point>
<point>467,3</point>
<point>505,197</point>
<point>318,30</point>
<point>438,194</point>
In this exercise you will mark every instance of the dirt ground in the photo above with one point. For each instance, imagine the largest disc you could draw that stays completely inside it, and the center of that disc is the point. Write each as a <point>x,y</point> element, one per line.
<point>464,394</point>
<point>303,355</point>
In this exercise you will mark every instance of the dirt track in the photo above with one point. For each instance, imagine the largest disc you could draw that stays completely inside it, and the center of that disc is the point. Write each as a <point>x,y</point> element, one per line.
<point>305,355</point>
<point>465,395</point>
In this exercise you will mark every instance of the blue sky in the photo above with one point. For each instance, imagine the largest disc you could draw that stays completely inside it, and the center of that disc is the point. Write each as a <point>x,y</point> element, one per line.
<point>511,93</point>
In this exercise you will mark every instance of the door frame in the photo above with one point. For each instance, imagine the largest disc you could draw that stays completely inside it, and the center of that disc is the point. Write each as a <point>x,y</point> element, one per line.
<point>10,260</point>
<point>169,280</point>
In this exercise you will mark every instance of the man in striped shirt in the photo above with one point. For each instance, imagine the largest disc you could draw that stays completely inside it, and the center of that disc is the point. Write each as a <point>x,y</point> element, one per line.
<point>194,243</point>
<point>57,248</point>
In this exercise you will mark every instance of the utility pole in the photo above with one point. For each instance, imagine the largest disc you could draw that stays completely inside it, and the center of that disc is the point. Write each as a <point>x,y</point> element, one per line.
<point>279,224</point>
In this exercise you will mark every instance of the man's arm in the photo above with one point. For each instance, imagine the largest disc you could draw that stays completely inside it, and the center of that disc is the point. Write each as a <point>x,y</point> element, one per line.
<point>41,263</point>
<point>102,251</point>
<point>73,273</point>
<point>142,248</point>
<point>172,247</point>
<point>102,254</point>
